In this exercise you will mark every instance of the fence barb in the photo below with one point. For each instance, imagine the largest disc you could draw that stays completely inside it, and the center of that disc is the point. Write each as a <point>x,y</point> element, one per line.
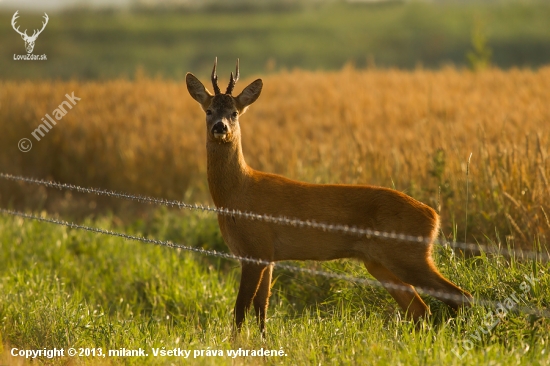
<point>290,221</point>
<point>366,281</point>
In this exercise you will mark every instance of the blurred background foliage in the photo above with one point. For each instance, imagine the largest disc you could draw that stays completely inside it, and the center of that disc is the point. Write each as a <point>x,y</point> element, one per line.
<point>169,38</point>
<point>409,130</point>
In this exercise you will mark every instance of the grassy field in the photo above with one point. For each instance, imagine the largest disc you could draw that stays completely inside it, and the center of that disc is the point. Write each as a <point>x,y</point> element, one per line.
<point>321,36</point>
<point>66,288</point>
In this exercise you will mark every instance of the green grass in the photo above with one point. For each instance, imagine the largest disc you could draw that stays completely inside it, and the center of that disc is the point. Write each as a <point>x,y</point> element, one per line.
<point>106,44</point>
<point>62,287</point>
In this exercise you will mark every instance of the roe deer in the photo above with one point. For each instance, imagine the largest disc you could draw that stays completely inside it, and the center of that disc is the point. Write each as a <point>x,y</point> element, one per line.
<point>398,265</point>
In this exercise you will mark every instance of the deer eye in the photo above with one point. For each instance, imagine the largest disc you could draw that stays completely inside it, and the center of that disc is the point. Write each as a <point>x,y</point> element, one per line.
<point>235,114</point>
<point>208,112</point>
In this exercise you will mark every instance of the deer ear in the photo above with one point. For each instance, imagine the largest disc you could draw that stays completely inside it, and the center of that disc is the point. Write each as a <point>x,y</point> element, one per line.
<point>198,91</point>
<point>249,95</point>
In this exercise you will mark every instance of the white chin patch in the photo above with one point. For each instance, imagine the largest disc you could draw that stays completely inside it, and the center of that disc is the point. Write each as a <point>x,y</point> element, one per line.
<point>220,136</point>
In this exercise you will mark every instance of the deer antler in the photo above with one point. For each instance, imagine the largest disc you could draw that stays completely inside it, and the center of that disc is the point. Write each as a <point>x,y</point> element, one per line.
<point>215,78</point>
<point>35,34</point>
<point>234,80</point>
<point>13,19</point>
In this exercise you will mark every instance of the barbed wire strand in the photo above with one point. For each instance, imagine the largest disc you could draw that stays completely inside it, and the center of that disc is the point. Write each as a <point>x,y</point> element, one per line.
<point>294,269</point>
<point>283,220</point>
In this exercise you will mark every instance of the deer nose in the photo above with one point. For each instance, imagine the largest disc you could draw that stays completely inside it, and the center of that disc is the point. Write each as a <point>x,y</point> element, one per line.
<point>219,129</point>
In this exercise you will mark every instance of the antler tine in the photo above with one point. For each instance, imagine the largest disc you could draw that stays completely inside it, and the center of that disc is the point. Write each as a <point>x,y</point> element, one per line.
<point>215,78</point>
<point>45,22</point>
<point>37,32</point>
<point>13,21</point>
<point>14,17</point>
<point>233,80</point>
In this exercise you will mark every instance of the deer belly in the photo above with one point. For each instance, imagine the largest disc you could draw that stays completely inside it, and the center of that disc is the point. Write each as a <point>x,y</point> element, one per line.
<point>313,244</point>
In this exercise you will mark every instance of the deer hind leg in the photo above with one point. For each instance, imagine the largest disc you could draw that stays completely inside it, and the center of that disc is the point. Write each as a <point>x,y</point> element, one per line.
<point>424,274</point>
<point>261,300</point>
<point>405,295</point>
<point>251,277</point>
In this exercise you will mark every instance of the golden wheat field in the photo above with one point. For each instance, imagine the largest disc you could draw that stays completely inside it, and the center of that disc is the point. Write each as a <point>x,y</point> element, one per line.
<point>409,130</point>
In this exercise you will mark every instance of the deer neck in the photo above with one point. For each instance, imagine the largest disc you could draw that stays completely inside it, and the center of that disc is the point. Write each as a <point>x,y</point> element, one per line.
<point>227,171</point>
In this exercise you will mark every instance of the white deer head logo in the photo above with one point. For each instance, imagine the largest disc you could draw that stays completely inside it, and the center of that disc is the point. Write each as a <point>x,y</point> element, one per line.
<point>29,41</point>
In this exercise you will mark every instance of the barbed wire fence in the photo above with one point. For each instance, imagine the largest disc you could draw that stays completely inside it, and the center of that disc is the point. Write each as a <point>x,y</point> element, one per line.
<point>289,221</point>
<point>281,220</point>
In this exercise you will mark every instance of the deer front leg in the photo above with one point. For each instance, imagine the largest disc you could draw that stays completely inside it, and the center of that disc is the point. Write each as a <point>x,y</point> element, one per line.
<point>251,277</point>
<point>261,300</point>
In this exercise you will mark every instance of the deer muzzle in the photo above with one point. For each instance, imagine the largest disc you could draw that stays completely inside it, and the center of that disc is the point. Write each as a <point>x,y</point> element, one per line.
<point>219,130</point>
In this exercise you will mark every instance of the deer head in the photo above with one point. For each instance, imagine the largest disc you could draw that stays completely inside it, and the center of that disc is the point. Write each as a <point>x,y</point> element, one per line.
<point>223,110</point>
<point>29,41</point>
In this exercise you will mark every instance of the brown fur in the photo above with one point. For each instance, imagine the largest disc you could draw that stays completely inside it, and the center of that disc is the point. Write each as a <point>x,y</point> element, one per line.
<point>233,184</point>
